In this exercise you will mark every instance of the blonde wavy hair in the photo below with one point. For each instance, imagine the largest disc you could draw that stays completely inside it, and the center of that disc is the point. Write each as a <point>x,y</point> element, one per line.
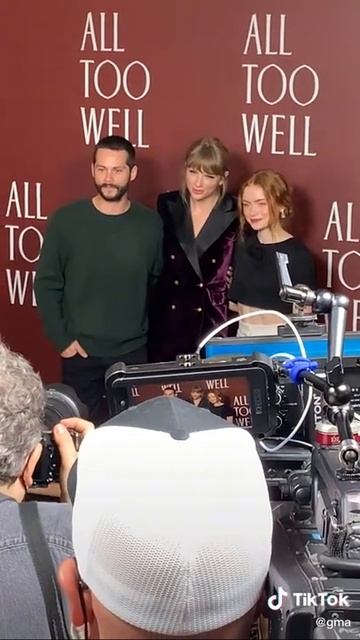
<point>210,156</point>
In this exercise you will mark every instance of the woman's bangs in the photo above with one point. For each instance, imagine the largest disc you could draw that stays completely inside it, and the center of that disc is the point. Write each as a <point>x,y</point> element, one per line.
<point>207,164</point>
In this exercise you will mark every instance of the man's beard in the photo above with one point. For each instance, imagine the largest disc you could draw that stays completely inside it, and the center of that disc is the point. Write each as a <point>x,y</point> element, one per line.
<point>118,192</point>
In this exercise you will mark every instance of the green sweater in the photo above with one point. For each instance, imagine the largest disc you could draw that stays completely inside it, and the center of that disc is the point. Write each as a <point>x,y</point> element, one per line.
<point>94,274</point>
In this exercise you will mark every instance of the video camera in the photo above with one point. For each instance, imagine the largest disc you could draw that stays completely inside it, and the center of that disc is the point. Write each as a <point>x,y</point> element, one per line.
<point>314,578</point>
<point>61,402</point>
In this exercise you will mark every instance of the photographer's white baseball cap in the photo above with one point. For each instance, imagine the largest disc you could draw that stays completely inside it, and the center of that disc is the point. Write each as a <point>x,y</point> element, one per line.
<point>172,535</point>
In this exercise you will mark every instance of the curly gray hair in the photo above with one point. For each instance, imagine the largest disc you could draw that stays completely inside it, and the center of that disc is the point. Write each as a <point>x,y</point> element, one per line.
<point>22,403</point>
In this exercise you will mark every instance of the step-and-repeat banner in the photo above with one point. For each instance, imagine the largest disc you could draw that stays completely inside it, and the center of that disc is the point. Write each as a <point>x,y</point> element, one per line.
<point>277,82</point>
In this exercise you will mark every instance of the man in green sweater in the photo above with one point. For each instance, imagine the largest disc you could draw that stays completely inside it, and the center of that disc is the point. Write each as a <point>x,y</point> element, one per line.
<point>98,261</point>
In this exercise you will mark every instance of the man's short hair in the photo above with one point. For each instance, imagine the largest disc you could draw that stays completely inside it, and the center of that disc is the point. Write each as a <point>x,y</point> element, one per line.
<point>197,389</point>
<point>117,143</point>
<point>22,403</point>
<point>172,536</point>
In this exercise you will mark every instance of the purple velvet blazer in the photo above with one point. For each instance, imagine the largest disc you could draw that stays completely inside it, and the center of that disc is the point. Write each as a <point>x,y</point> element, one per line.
<point>190,298</point>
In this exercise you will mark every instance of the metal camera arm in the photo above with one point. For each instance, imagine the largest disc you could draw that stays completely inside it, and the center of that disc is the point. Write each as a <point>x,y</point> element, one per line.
<point>324,302</point>
<point>336,392</point>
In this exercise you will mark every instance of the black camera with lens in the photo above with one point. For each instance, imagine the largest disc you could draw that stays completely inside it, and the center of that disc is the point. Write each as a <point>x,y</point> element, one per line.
<point>61,402</point>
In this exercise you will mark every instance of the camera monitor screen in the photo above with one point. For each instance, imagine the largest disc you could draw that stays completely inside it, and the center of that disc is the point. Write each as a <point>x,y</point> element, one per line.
<point>242,396</point>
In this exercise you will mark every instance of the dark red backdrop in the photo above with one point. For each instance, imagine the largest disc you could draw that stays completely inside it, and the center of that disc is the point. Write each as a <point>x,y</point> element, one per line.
<point>175,71</point>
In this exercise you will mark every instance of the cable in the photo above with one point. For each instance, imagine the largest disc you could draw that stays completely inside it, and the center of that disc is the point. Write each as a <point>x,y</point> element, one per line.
<point>300,442</point>
<point>252,314</point>
<point>303,353</point>
<point>288,356</point>
<point>295,429</point>
<point>285,440</point>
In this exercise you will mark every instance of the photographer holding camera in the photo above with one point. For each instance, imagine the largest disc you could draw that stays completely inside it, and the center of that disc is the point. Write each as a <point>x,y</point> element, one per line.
<point>22,407</point>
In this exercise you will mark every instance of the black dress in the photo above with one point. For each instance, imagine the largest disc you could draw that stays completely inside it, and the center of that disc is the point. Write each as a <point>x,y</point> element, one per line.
<point>223,411</point>
<point>256,280</point>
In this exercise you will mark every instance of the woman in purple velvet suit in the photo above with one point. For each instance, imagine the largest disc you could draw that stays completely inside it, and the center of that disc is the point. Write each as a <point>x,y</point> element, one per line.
<point>200,229</point>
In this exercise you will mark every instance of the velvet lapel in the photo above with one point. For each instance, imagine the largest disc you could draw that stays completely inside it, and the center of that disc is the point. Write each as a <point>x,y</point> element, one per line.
<point>184,233</point>
<point>218,221</point>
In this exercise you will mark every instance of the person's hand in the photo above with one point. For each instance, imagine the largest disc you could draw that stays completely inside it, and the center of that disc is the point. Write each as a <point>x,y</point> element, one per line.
<point>74,348</point>
<point>67,449</point>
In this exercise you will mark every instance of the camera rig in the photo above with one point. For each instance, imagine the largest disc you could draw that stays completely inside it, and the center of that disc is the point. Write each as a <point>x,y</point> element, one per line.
<point>315,570</point>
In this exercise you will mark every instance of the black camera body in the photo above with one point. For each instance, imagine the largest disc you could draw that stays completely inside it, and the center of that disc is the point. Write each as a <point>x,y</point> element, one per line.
<point>316,541</point>
<point>61,402</point>
<point>315,569</point>
<point>314,577</point>
<point>47,469</point>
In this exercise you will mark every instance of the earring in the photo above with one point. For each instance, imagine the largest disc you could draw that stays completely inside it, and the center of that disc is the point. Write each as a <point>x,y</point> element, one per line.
<point>282,214</point>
